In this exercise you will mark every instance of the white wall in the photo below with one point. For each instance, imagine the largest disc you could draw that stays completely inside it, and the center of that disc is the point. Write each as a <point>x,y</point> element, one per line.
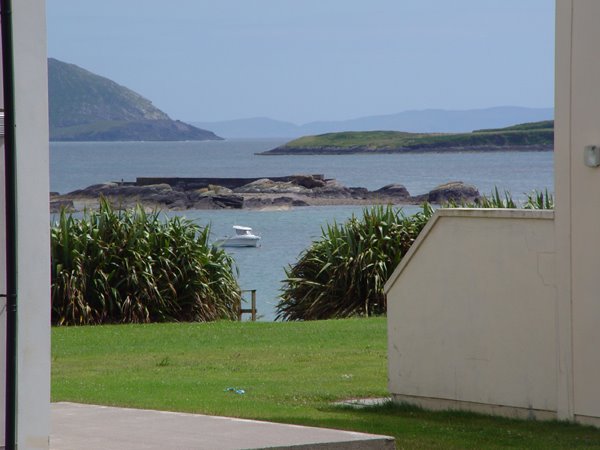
<point>471,314</point>
<point>578,203</point>
<point>31,115</point>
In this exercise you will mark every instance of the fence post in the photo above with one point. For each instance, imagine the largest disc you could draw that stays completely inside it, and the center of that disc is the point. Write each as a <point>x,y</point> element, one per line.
<point>252,309</point>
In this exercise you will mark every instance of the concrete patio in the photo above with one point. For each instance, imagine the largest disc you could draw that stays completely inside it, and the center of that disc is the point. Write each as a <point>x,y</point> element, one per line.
<point>77,426</point>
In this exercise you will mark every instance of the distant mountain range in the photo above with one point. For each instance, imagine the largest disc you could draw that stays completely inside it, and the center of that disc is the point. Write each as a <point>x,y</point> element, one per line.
<point>422,121</point>
<point>84,106</point>
<point>87,107</point>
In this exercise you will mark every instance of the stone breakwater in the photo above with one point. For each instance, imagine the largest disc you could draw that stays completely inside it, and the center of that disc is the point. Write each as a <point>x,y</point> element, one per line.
<point>252,193</point>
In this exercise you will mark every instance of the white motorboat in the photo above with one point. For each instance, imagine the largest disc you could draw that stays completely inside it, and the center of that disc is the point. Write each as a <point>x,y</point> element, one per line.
<point>243,237</point>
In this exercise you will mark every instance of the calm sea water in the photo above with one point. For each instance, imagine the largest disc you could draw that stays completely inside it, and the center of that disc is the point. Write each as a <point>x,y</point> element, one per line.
<point>286,233</point>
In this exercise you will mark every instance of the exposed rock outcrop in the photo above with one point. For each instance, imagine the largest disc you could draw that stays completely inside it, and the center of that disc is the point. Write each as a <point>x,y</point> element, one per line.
<point>308,181</point>
<point>332,189</point>
<point>256,193</point>
<point>267,186</point>
<point>456,191</point>
<point>126,194</point>
<point>393,190</point>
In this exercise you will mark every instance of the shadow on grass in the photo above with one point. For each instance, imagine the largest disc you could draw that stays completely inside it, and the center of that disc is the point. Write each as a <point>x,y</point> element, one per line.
<point>414,427</point>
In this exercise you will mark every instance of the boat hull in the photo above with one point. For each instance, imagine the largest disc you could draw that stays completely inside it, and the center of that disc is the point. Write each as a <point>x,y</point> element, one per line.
<point>239,241</point>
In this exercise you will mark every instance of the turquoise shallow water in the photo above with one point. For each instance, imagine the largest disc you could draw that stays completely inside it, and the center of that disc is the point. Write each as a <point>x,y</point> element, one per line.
<point>286,233</point>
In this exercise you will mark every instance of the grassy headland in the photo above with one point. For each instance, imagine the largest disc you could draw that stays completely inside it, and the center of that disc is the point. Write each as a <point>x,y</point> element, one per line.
<point>290,372</point>
<point>84,106</point>
<point>528,136</point>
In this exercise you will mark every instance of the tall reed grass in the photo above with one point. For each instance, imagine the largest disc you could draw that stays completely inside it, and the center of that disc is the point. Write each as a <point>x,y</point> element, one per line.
<point>131,266</point>
<point>343,273</point>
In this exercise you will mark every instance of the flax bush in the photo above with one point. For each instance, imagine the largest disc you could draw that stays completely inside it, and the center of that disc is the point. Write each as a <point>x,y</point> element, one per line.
<point>539,200</point>
<point>343,273</point>
<point>131,266</point>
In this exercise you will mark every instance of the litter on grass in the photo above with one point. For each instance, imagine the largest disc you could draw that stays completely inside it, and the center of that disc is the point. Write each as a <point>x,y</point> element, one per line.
<point>235,390</point>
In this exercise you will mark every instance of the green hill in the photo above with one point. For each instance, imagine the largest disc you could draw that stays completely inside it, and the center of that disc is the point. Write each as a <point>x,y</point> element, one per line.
<point>84,106</point>
<point>528,136</point>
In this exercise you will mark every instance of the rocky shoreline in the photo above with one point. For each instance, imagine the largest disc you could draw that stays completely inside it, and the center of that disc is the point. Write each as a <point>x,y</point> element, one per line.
<point>249,193</point>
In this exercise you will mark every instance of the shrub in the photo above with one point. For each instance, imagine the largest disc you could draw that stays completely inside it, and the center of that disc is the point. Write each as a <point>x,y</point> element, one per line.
<point>132,266</point>
<point>343,273</point>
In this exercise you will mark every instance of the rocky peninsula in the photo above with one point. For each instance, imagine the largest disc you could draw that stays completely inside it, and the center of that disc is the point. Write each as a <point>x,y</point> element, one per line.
<point>250,193</point>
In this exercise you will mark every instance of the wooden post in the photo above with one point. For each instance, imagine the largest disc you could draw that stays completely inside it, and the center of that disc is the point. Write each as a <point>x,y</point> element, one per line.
<point>253,305</point>
<point>252,309</point>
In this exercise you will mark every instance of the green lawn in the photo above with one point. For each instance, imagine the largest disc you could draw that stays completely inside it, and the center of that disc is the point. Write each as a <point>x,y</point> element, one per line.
<point>290,372</point>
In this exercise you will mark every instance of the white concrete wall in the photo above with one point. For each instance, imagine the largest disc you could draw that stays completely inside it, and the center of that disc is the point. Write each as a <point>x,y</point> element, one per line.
<point>33,397</point>
<point>31,90</point>
<point>578,204</point>
<point>471,314</point>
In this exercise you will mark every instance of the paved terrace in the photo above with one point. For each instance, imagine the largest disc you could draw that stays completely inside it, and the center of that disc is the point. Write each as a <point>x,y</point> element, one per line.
<point>76,426</point>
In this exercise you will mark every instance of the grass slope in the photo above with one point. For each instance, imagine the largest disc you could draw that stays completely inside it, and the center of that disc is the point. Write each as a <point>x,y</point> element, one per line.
<point>533,135</point>
<point>291,372</point>
<point>77,96</point>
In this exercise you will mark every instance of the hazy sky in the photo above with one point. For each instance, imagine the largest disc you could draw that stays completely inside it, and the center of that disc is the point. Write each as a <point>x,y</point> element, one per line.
<point>306,60</point>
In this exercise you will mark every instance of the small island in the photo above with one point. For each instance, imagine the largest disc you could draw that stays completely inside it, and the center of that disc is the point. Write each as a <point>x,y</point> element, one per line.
<point>249,193</point>
<point>535,136</point>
